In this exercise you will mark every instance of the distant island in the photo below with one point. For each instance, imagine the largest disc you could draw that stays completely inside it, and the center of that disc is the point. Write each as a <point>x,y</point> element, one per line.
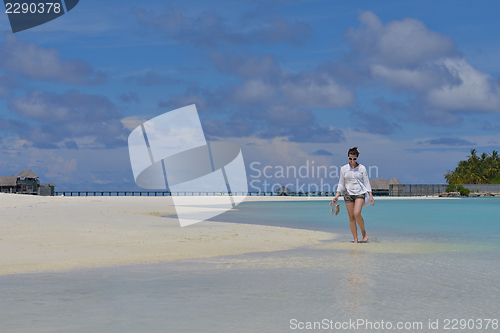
<point>484,169</point>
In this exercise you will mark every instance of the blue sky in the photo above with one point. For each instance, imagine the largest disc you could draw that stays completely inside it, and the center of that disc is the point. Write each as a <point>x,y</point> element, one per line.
<point>415,85</point>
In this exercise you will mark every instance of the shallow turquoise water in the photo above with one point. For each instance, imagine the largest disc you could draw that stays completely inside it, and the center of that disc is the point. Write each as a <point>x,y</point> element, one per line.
<point>474,219</point>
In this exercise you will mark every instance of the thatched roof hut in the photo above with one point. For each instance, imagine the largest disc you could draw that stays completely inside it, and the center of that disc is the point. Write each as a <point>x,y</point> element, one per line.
<point>8,180</point>
<point>383,184</point>
<point>283,189</point>
<point>27,174</point>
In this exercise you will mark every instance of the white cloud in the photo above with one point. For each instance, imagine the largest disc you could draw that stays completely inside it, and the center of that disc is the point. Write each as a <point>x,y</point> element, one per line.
<point>35,62</point>
<point>132,122</point>
<point>69,115</point>
<point>60,167</point>
<point>277,152</point>
<point>317,92</point>
<point>253,91</point>
<point>409,57</point>
<point>210,29</point>
<point>251,67</point>
<point>398,43</point>
<point>420,79</point>
<point>476,92</point>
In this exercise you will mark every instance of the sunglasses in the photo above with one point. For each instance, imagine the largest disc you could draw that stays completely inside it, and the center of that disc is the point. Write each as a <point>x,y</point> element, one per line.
<point>353,158</point>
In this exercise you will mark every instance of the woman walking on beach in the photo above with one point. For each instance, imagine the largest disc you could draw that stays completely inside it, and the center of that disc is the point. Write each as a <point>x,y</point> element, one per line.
<point>354,179</point>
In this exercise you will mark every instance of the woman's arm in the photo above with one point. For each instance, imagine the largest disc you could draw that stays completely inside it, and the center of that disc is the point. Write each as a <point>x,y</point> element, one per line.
<point>366,182</point>
<point>340,186</point>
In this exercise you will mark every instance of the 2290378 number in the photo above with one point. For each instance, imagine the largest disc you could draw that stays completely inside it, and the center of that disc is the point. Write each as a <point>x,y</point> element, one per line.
<point>455,324</point>
<point>41,8</point>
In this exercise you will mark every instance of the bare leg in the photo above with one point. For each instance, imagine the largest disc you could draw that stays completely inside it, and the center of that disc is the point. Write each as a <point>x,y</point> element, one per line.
<point>352,220</point>
<point>358,206</point>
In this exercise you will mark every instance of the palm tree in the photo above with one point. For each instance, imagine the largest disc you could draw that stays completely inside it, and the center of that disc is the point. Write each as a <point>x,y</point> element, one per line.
<point>473,156</point>
<point>475,170</point>
<point>495,159</point>
<point>491,171</point>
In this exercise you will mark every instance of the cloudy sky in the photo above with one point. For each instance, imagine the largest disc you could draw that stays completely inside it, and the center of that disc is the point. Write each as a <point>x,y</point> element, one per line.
<point>415,85</point>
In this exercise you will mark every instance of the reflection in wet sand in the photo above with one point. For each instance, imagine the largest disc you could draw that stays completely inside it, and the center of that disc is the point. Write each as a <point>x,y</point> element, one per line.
<point>356,282</point>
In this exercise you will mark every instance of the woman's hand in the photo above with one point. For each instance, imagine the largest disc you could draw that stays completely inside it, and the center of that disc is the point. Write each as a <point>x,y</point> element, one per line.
<point>334,201</point>
<point>371,199</point>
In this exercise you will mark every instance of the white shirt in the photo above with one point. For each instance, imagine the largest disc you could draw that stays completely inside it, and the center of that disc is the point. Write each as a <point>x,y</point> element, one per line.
<point>349,183</point>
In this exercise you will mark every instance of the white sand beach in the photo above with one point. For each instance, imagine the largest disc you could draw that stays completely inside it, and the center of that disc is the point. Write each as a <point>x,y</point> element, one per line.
<point>57,233</point>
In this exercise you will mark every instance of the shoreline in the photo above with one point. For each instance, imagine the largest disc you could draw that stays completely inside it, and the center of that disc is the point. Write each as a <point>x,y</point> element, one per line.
<point>293,198</point>
<point>249,197</point>
<point>59,233</point>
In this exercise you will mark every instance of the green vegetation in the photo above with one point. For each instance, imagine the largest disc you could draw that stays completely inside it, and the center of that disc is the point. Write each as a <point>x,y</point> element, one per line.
<point>484,169</point>
<point>495,180</point>
<point>458,188</point>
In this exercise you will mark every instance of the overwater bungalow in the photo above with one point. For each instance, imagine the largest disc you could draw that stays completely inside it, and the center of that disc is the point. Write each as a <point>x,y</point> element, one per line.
<point>26,182</point>
<point>381,186</point>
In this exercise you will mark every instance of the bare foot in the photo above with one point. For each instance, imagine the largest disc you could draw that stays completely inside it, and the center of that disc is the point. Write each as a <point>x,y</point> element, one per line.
<point>365,239</point>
